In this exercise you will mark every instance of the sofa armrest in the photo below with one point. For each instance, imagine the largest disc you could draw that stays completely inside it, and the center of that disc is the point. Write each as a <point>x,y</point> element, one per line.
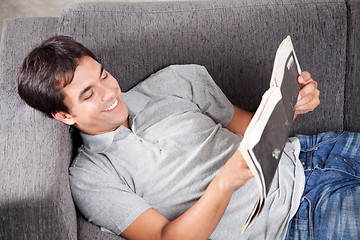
<point>35,151</point>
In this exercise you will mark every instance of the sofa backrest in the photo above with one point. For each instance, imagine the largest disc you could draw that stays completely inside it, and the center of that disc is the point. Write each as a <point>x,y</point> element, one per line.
<point>235,40</point>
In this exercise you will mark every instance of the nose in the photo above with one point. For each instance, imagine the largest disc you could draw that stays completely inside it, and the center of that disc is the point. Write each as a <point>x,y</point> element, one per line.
<point>104,92</point>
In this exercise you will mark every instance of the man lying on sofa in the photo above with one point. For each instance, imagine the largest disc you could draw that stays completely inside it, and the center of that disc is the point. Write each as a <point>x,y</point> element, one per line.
<point>161,161</point>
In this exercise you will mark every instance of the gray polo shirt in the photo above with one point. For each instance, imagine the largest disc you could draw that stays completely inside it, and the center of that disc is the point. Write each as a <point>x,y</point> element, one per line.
<point>175,147</point>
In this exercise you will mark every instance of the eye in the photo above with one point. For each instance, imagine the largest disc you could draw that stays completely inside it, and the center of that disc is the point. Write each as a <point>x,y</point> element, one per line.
<point>105,75</point>
<point>89,94</point>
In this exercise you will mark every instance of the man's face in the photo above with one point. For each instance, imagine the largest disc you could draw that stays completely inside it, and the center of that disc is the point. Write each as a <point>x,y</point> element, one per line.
<point>94,100</point>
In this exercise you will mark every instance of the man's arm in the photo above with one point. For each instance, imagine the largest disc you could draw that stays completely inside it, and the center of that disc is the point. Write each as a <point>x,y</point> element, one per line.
<point>240,121</point>
<point>307,101</point>
<point>199,221</point>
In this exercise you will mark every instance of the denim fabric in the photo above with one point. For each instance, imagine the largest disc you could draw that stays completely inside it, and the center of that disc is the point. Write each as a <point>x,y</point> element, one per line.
<point>330,206</point>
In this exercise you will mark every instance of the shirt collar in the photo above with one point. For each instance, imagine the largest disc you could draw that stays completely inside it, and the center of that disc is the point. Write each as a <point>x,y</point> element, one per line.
<point>99,143</point>
<point>135,101</point>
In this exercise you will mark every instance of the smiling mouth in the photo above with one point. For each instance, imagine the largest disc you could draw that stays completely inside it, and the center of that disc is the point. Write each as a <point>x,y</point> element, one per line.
<point>112,105</point>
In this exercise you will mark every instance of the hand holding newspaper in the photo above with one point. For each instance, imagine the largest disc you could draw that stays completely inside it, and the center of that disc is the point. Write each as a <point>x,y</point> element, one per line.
<point>269,128</point>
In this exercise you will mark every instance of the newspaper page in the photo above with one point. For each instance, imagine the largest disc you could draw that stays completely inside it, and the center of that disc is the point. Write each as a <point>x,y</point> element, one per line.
<point>269,128</point>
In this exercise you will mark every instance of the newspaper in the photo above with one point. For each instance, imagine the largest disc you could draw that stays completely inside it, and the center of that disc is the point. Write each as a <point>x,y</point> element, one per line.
<point>269,128</point>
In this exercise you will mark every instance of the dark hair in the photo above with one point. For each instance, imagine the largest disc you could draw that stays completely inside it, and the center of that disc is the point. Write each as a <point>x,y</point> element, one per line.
<point>47,69</point>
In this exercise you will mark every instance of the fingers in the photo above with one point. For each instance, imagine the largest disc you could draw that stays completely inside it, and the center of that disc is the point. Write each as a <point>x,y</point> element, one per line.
<point>310,106</point>
<point>236,171</point>
<point>249,174</point>
<point>309,94</point>
<point>307,83</point>
<point>308,98</point>
<point>304,78</point>
<point>244,166</point>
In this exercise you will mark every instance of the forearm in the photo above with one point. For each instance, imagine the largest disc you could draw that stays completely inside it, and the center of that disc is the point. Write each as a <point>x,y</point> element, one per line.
<point>201,219</point>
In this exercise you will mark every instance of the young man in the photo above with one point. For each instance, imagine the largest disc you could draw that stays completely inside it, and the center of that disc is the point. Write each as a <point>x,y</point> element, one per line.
<point>161,161</point>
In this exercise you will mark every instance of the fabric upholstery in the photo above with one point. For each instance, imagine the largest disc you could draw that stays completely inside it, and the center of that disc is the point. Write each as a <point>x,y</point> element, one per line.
<point>352,87</point>
<point>235,40</point>
<point>35,151</point>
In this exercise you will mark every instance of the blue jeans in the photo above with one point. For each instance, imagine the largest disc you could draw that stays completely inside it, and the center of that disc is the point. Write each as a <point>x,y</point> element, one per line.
<point>330,205</point>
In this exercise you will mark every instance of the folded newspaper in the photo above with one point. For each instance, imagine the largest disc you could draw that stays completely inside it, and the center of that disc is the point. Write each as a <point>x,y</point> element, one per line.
<point>267,133</point>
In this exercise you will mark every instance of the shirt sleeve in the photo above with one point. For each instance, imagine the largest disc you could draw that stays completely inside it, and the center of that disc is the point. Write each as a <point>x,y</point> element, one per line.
<point>101,195</point>
<point>194,83</point>
<point>206,94</point>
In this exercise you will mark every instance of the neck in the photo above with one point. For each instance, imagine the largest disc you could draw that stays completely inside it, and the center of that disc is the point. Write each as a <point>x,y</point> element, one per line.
<point>126,123</point>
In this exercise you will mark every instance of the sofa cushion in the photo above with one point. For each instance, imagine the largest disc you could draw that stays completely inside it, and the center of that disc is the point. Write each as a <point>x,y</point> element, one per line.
<point>35,151</point>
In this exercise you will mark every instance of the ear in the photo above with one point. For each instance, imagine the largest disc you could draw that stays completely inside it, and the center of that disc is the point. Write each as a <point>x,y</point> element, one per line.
<point>63,117</point>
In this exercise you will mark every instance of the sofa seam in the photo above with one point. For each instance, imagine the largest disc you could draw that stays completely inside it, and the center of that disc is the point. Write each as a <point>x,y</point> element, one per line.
<point>347,60</point>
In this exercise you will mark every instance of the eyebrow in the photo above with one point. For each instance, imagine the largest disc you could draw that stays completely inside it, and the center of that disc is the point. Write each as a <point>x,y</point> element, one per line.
<point>89,87</point>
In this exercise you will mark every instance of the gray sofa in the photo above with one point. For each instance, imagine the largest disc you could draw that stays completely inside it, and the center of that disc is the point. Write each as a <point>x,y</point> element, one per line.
<point>236,41</point>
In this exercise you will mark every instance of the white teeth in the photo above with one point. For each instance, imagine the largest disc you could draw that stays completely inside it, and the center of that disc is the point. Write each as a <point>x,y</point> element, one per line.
<point>112,106</point>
